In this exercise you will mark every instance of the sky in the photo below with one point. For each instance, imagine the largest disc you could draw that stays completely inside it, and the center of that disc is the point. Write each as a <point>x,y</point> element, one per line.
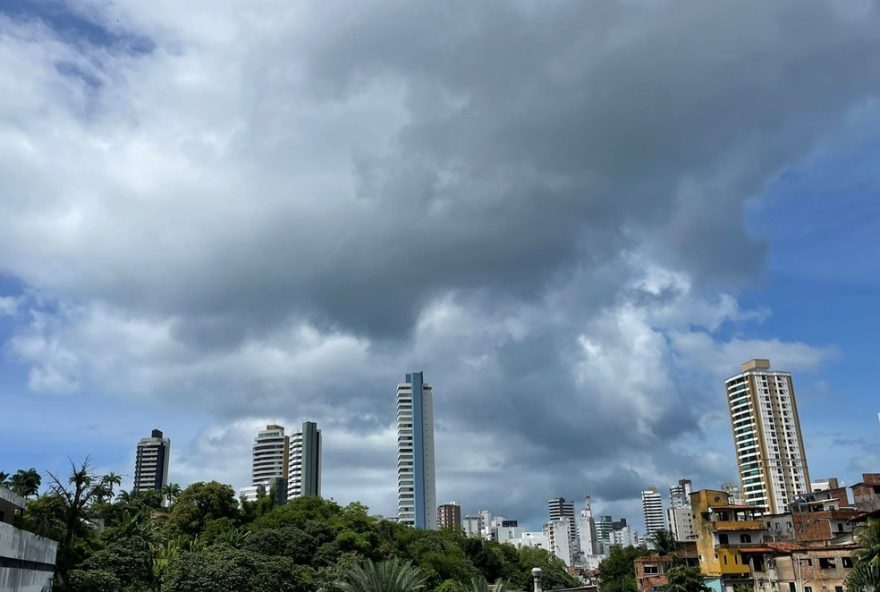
<point>577,218</point>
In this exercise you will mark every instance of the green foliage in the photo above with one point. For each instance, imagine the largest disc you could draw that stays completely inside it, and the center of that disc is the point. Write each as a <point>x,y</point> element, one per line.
<point>392,575</point>
<point>129,560</point>
<point>200,503</point>
<point>864,577</point>
<point>685,579</point>
<point>287,541</point>
<point>616,572</point>
<point>225,568</point>
<point>205,542</point>
<point>868,539</point>
<point>93,581</point>
<point>451,586</point>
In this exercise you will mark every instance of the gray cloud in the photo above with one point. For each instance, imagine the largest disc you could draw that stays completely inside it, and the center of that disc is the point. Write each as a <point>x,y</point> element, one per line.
<point>541,205</point>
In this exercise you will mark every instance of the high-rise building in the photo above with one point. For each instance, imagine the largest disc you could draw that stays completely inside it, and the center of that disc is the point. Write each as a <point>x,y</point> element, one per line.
<point>603,529</point>
<point>305,462</point>
<point>767,438</point>
<point>151,462</point>
<point>680,494</point>
<point>449,516</point>
<point>416,505</point>
<point>652,509</point>
<point>558,534</point>
<point>558,507</point>
<point>681,522</point>
<point>269,464</point>
<point>588,542</point>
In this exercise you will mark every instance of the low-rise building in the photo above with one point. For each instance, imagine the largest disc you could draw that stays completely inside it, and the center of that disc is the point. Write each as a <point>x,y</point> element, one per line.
<point>651,569</point>
<point>787,567</point>
<point>723,530</point>
<point>866,493</point>
<point>27,561</point>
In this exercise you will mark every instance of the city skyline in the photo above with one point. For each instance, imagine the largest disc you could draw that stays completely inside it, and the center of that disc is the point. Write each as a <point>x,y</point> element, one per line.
<point>578,222</point>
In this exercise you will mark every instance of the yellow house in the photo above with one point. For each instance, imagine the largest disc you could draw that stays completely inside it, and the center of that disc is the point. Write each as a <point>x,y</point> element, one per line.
<point>723,531</point>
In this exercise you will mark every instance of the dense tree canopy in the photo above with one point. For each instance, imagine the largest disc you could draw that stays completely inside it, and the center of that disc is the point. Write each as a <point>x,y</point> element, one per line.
<point>616,572</point>
<point>202,539</point>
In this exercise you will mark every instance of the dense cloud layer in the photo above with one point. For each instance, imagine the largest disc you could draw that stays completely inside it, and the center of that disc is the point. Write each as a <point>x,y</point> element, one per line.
<point>272,209</point>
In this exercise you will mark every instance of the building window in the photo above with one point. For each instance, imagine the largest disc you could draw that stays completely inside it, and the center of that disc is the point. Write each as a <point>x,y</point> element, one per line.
<point>791,587</point>
<point>808,589</point>
<point>846,561</point>
<point>827,563</point>
<point>651,570</point>
<point>745,538</point>
<point>722,539</point>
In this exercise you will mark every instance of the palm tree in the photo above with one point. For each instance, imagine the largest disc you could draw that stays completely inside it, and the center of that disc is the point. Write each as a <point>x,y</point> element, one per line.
<point>864,577</point>
<point>26,482</point>
<point>685,579</point>
<point>386,576</point>
<point>82,489</point>
<point>664,542</point>
<point>868,539</point>
<point>479,584</point>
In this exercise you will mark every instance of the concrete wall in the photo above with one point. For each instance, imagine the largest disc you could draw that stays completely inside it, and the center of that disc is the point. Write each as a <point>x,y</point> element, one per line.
<point>27,561</point>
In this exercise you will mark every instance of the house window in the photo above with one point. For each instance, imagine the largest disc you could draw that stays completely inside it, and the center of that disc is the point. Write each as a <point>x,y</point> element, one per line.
<point>725,559</point>
<point>827,563</point>
<point>791,587</point>
<point>838,588</point>
<point>650,569</point>
<point>745,538</point>
<point>808,589</point>
<point>846,561</point>
<point>722,539</point>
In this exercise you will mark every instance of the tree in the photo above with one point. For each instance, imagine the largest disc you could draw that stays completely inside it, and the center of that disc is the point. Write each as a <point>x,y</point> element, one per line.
<point>82,489</point>
<point>199,503</point>
<point>3,479</point>
<point>867,537</point>
<point>664,542</point>
<point>864,577</point>
<point>616,572</point>
<point>25,482</point>
<point>93,580</point>
<point>392,575</point>
<point>685,579</point>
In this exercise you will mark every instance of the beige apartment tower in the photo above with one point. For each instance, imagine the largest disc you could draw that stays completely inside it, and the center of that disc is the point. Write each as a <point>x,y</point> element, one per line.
<point>767,436</point>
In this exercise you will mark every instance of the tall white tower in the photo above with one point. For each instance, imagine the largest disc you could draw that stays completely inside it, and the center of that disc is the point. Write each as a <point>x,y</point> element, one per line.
<point>767,436</point>
<point>416,491</point>
<point>588,541</point>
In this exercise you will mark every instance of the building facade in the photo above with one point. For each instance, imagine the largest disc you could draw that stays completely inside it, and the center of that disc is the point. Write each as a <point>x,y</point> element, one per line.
<point>652,510</point>
<point>724,532</point>
<point>588,540</point>
<point>680,494</point>
<point>151,462</point>
<point>449,516</point>
<point>681,523</point>
<point>416,493</point>
<point>27,561</point>
<point>558,508</point>
<point>305,462</point>
<point>269,456</point>
<point>767,438</point>
<point>558,535</point>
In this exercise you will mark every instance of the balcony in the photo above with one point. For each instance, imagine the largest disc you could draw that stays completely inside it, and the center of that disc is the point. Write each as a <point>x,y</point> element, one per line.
<point>736,525</point>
